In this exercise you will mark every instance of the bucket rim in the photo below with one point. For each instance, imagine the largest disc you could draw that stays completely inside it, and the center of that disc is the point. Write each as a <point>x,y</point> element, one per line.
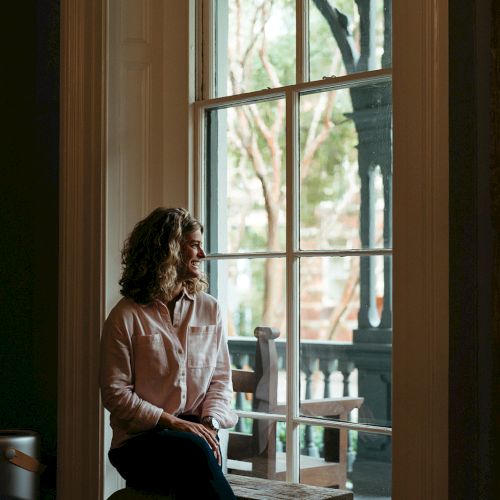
<point>18,432</point>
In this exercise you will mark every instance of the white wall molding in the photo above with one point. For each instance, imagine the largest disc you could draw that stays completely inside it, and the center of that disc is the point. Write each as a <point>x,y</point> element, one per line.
<point>82,149</point>
<point>420,371</point>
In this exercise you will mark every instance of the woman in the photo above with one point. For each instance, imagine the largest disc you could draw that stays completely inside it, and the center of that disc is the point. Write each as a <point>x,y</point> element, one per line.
<point>165,371</point>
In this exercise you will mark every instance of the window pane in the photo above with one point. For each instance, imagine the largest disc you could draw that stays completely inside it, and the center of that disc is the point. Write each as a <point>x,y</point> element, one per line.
<point>345,338</point>
<point>345,459</point>
<point>251,301</point>
<point>255,45</point>
<point>246,178</point>
<point>344,38</point>
<point>324,455</point>
<point>253,293</point>
<point>346,168</point>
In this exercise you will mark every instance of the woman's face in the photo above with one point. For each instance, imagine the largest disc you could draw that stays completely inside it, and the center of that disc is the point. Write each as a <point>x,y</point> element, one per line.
<point>191,253</point>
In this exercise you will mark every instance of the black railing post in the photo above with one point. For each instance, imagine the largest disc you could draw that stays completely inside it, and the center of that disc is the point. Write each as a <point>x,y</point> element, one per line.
<point>309,365</point>
<point>346,368</point>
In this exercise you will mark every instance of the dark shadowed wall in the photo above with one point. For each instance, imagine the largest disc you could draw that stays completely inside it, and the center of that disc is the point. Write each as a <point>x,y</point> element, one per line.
<point>29,223</point>
<point>472,392</point>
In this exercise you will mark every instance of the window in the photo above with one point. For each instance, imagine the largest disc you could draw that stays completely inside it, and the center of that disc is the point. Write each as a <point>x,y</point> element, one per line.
<point>420,217</point>
<point>295,188</point>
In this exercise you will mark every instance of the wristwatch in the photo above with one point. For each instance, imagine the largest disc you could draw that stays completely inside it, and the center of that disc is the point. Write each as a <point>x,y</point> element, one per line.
<point>212,422</point>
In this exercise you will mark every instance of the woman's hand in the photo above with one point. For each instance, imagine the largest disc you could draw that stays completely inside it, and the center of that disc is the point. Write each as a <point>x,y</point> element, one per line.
<point>178,424</point>
<point>216,450</point>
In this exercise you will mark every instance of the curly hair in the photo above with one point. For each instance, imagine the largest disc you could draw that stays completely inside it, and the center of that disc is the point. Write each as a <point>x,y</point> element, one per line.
<point>151,256</point>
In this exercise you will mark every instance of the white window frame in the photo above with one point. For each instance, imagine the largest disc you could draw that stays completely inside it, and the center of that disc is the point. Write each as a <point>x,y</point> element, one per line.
<point>292,253</point>
<point>420,221</point>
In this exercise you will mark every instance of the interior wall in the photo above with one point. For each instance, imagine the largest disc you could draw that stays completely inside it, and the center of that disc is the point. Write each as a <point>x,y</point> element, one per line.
<point>148,131</point>
<point>494,191</point>
<point>148,144</point>
<point>29,224</point>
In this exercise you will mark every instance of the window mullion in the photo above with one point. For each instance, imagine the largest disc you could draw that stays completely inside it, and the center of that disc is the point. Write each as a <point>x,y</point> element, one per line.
<point>199,170</point>
<point>302,41</point>
<point>206,48</point>
<point>292,266</point>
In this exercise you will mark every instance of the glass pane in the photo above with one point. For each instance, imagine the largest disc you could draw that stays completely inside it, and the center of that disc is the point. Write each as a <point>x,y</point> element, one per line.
<point>370,473</point>
<point>252,291</point>
<point>245,189</point>
<point>345,338</point>
<point>240,284</point>
<point>346,168</point>
<point>258,450</point>
<point>255,45</point>
<point>347,36</point>
<point>346,459</point>
<point>324,455</point>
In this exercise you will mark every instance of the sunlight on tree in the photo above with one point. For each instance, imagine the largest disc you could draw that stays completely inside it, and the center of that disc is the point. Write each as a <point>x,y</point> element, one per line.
<point>261,53</point>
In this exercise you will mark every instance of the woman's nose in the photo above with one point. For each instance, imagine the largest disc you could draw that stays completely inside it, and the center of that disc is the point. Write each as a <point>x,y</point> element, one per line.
<point>201,253</point>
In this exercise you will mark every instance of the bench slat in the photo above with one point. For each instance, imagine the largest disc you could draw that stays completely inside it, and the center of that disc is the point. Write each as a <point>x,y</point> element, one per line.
<point>253,488</point>
<point>243,381</point>
<point>240,446</point>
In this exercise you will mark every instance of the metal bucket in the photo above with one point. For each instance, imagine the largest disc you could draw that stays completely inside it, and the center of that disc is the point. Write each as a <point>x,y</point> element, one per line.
<point>19,465</point>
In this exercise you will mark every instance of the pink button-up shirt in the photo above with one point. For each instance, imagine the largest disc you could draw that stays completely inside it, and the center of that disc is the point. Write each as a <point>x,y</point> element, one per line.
<point>151,363</point>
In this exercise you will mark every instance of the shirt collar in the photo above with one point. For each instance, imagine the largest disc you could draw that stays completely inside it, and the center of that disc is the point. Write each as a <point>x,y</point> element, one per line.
<point>188,295</point>
<point>184,293</point>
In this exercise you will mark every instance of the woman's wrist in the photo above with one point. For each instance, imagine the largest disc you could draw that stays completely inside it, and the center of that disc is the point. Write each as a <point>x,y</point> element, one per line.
<point>211,422</point>
<point>166,420</point>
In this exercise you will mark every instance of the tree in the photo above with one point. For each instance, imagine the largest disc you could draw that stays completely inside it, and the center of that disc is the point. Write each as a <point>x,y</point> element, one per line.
<point>256,132</point>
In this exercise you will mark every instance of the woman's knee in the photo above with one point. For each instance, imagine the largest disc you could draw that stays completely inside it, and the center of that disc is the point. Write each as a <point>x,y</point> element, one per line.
<point>183,445</point>
<point>194,446</point>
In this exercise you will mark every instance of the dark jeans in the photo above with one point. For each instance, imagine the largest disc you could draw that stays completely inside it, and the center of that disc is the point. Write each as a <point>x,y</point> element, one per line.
<point>171,462</point>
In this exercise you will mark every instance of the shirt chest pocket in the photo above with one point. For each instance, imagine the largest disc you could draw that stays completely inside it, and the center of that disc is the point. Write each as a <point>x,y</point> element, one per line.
<point>150,357</point>
<point>202,346</point>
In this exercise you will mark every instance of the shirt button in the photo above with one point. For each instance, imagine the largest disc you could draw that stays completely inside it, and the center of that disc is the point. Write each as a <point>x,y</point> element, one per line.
<point>180,351</point>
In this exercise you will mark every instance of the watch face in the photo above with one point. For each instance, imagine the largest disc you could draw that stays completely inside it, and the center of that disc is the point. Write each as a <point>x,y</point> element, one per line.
<point>214,423</point>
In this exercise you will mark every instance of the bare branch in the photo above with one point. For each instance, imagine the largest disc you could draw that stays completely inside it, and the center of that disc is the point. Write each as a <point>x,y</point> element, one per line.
<point>240,56</point>
<point>249,142</point>
<point>261,125</point>
<point>270,69</point>
<point>253,40</point>
<point>314,137</point>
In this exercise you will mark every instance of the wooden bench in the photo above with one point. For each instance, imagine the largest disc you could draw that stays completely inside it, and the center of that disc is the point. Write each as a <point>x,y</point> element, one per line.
<point>252,488</point>
<point>255,488</point>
